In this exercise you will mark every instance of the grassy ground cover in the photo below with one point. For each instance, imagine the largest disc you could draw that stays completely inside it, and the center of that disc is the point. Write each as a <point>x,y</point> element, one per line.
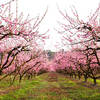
<point>49,86</point>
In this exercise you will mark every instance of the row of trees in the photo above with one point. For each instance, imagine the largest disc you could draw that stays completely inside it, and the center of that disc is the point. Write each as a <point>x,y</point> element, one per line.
<point>20,50</point>
<point>84,37</point>
<point>21,54</point>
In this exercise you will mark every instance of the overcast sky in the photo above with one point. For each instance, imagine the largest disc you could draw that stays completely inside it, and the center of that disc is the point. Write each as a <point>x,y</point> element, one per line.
<point>38,7</point>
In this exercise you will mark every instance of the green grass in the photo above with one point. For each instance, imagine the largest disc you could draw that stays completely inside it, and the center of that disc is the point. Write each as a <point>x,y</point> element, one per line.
<point>91,80</point>
<point>40,88</point>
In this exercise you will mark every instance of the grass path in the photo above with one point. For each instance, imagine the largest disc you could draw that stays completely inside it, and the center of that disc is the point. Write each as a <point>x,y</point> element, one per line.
<point>49,86</point>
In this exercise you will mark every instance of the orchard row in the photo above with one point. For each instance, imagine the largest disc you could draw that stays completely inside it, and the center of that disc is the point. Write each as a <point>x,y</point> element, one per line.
<point>22,55</point>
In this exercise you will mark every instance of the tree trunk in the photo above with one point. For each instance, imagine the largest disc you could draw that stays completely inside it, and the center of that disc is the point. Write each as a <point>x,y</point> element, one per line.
<point>20,78</point>
<point>79,76</point>
<point>75,76</point>
<point>28,77</point>
<point>95,82</point>
<point>0,72</point>
<point>13,79</point>
<point>85,78</point>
